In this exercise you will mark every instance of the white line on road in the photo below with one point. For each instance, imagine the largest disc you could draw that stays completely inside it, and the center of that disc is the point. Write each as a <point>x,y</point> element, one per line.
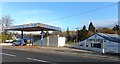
<point>36,60</point>
<point>8,54</point>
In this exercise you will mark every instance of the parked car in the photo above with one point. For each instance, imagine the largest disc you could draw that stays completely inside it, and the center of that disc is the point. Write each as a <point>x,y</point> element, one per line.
<point>17,42</point>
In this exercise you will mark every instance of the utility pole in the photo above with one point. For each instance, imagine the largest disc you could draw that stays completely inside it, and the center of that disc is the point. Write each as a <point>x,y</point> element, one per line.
<point>77,35</point>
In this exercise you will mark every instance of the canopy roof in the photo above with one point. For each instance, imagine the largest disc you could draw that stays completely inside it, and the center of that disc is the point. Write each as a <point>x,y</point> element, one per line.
<point>33,27</point>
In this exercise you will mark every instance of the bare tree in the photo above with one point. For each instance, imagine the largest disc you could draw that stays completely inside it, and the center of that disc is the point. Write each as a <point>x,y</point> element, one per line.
<point>6,21</point>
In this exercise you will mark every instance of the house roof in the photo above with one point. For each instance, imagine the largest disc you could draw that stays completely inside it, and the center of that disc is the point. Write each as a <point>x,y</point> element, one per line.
<point>110,37</point>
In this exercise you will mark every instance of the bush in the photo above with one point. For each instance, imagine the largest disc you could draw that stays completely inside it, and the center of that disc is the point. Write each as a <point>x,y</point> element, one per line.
<point>3,37</point>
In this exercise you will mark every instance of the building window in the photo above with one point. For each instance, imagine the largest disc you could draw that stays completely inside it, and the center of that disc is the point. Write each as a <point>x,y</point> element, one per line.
<point>86,45</point>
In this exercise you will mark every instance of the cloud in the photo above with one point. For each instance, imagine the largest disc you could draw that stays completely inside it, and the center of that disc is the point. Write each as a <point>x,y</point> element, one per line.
<point>35,11</point>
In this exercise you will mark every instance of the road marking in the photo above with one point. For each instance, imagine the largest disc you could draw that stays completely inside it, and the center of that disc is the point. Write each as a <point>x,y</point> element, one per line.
<point>40,60</point>
<point>36,60</point>
<point>8,54</point>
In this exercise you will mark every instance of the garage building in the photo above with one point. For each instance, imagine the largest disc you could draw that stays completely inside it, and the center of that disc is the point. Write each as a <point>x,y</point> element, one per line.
<point>102,42</point>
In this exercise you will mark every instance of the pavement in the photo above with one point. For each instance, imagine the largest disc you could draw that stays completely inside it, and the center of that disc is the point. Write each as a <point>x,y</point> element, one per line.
<point>63,51</point>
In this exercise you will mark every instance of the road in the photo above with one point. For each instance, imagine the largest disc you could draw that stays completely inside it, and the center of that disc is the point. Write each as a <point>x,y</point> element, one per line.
<point>26,56</point>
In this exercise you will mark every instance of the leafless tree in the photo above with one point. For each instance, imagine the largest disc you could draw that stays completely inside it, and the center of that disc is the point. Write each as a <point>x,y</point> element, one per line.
<point>6,21</point>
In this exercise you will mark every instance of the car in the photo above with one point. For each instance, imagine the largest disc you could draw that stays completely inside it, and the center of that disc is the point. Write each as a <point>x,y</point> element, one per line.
<point>17,42</point>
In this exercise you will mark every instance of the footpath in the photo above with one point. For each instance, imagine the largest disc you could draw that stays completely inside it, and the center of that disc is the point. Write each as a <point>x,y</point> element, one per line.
<point>63,51</point>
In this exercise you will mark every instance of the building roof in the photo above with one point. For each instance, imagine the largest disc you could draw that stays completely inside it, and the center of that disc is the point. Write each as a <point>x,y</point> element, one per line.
<point>33,27</point>
<point>110,37</point>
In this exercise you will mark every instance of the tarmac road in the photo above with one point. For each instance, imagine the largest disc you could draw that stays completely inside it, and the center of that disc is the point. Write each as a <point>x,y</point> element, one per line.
<point>27,56</point>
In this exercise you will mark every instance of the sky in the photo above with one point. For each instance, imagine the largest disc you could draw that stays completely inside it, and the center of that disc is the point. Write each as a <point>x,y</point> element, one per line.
<point>62,14</point>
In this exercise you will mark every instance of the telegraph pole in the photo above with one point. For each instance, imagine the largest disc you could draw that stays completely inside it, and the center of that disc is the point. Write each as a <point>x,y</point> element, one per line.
<point>77,35</point>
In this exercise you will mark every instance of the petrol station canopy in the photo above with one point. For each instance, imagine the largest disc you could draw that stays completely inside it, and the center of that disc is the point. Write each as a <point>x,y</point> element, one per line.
<point>33,27</point>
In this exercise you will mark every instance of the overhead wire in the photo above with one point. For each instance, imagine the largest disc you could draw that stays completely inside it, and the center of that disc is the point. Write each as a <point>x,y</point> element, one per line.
<point>77,14</point>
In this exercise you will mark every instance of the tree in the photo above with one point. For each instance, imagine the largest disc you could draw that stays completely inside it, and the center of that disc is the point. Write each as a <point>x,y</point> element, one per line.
<point>60,33</point>
<point>6,21</point>
<point>105,30</point>
<point>68,34</point>
<point>77,35</point>
<point>10,35</point>
<point>91,27</point>
<point>116,28</point>
<point>46,34</point>
<point>84,28</point>
<point>83,33</point>
<point>3,37</point>
<point>89,33</point>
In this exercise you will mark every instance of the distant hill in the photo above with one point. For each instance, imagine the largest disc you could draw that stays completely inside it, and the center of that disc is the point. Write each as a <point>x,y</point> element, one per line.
<point>108,26</point>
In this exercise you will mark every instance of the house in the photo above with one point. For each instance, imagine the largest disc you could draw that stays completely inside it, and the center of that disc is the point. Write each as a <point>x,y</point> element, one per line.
<point>102,42</point>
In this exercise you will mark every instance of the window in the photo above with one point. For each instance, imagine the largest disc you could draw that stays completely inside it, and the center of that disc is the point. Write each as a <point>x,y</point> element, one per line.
<point>97,45</point>
<point>86,45</point>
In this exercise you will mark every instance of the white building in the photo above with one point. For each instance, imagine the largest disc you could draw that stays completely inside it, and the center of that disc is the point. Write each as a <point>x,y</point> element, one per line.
<point>101,42</point>
<point>52,41</point>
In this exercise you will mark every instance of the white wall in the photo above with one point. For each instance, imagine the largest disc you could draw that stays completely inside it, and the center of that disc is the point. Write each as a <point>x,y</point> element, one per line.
<point>56,41</point>
<point>90,48</point>
<point>112,47</point>
<point>61,41</point>
<point>52,41</point>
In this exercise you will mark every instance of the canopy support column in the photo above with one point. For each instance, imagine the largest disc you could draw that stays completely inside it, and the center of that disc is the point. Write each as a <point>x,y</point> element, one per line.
<point>21,34</point>
<point>47,38</point>
<point>22,41</point>
<point>42,38</point>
